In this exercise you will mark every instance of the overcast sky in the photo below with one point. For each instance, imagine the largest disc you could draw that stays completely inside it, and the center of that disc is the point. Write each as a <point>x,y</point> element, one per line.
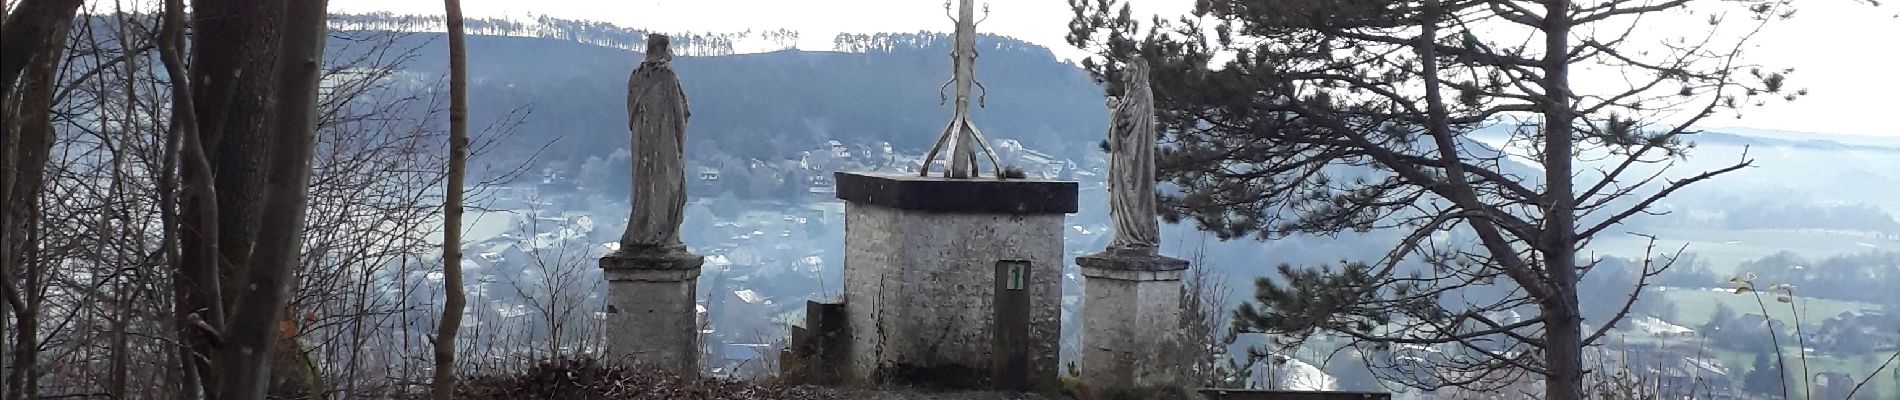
<point>1842,51</point>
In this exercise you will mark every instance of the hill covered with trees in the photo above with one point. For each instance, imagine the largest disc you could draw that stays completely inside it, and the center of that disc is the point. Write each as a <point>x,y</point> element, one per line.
<point>570,77</point>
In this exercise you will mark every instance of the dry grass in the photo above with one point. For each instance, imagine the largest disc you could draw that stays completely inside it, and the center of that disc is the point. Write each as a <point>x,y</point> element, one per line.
<point>589,379</point>
<point>585,379</point>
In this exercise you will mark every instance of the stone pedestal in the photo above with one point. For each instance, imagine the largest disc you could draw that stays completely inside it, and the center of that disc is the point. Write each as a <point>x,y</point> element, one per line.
<point>651,314</point>
<point>1131,321</point>
<point>942,275</point>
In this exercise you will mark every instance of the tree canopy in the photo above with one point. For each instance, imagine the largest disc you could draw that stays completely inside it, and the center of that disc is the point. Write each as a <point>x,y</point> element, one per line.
<point>1321,117</point>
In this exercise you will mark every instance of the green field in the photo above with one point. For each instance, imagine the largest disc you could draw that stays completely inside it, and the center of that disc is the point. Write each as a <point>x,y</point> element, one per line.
<point>1739,362</point>
<point>1856,368</point>
<point>1694,307</point>
<point>1725,249</point>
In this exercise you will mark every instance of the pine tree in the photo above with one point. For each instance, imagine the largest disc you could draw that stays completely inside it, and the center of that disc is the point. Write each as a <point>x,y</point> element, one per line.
<point>1762,378</point>
<point>1327,117</point>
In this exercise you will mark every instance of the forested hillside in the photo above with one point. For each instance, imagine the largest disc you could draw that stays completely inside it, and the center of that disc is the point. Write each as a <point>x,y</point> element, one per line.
<point>880,88</point>
<point>587,32</point>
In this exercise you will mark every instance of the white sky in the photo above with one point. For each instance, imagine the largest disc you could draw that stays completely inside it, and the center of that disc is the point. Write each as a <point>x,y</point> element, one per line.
<point>1843,51</point>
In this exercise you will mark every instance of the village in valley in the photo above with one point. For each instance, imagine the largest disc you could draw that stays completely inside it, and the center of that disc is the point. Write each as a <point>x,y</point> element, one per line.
<point>771,232</point>
<point>1242,200</point>
<point>764,257</point>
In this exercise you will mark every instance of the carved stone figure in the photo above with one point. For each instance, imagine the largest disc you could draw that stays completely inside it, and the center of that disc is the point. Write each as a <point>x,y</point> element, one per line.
<point>1131,166</point>
<point>656,118</point>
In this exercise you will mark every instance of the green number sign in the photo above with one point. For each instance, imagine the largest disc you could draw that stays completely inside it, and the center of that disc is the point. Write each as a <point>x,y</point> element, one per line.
<point>1015,276</point>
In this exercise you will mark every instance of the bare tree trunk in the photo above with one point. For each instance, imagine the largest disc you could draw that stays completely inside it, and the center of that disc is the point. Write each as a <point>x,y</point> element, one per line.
<point>198,302</point>
<point>237,67</point>
<point>9,299</point>
<point>234,71</point>
<point>119,352</point>
<point>225,76</point>
<point>167,185</point>
<point>245,358</point>
<point>118,372</point>
<point>27,179</point>
<point>1563,332</point>
<point>6,311</point>
<point>29,31</point>
<point>444,385</point>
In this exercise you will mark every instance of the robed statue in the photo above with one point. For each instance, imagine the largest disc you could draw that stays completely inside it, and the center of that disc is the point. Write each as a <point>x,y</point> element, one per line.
<point>1131,163</point>
<point>656,118</point>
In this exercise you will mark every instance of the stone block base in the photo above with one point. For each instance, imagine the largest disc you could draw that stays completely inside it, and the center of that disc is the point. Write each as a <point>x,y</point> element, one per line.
<point>817,352</point>
<point>652,318</point>
<point>1131,321</point>
<point>953,283</point>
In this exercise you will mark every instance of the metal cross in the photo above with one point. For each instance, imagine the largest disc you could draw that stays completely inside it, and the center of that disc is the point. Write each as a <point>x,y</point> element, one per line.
<point>957,137</point>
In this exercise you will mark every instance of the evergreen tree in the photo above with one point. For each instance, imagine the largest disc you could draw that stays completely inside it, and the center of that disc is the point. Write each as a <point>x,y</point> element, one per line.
<point>1325,117</point>
<point>1763,378</point>
<point>1723,314</point>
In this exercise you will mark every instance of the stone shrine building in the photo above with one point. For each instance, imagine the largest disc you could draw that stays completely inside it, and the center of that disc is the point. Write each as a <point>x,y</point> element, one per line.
<point>957,281</point>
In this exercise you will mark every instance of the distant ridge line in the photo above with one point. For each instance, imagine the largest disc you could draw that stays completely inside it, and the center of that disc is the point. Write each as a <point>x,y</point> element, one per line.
<point>687,44</point>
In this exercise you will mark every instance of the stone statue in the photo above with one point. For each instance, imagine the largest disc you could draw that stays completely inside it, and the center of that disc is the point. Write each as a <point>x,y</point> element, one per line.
<point>656,116</point>
<point>1131,163</point>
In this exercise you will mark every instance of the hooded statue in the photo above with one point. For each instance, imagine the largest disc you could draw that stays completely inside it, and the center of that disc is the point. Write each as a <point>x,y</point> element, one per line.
<point>1131,163</point>
<point>656,118</point>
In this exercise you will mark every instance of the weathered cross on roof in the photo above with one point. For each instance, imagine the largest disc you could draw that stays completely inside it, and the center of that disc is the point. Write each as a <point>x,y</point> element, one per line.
<point>957,137</point>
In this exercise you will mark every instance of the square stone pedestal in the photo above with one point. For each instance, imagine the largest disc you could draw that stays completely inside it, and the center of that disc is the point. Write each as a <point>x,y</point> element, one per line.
<point>651,315</point>
<point>953,282</point>
<point>1131,321</point>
